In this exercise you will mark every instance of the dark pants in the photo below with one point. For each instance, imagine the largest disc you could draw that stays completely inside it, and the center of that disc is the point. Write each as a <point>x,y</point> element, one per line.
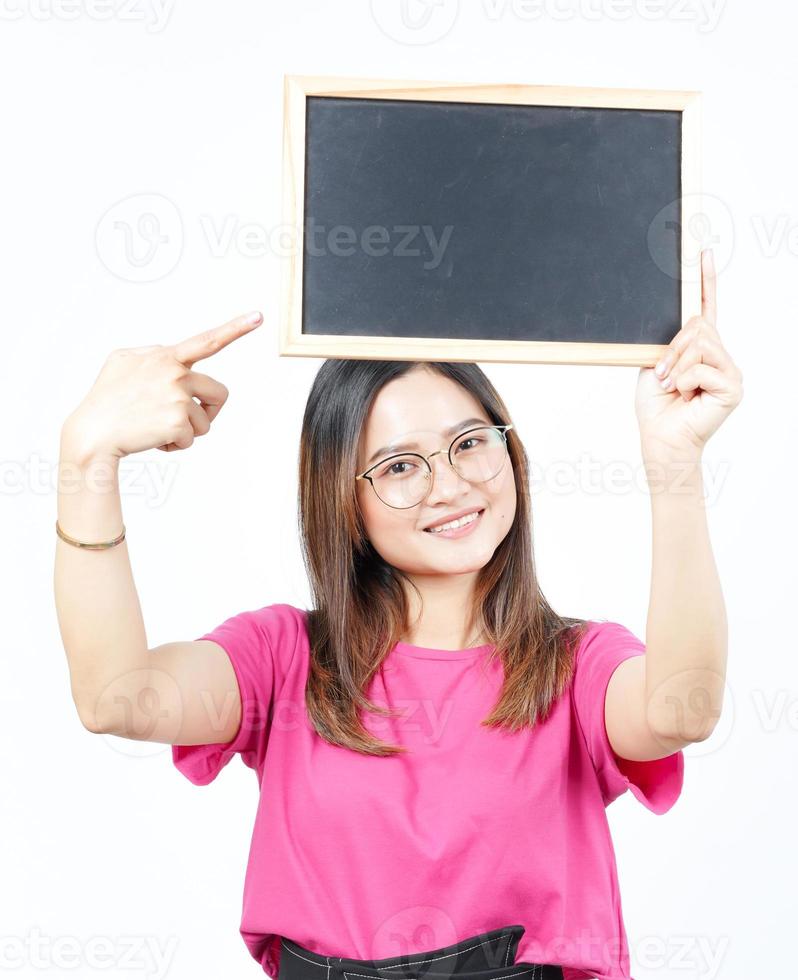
<point>486,956</point>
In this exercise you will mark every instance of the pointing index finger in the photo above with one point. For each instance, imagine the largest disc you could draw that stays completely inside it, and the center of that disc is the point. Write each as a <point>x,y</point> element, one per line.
<point>208,342</point>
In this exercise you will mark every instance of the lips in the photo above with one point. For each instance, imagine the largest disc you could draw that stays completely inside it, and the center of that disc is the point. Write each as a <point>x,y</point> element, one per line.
<point>454,517</point>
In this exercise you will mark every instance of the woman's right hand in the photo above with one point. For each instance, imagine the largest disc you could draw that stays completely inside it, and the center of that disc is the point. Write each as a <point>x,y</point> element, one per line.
<point>143,397</point>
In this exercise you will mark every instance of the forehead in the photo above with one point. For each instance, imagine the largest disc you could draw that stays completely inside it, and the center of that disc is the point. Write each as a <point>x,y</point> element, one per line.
<point>421,404</point>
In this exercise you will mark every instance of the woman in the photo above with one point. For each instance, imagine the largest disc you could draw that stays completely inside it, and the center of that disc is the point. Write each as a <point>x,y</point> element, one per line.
<point>435,746</point>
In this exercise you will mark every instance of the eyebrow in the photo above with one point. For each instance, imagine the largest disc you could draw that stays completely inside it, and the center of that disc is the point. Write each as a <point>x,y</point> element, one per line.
<point>405,446</point>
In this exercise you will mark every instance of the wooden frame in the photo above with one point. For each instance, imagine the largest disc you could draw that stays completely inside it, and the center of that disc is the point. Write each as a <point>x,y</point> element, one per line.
<point>292,342</point>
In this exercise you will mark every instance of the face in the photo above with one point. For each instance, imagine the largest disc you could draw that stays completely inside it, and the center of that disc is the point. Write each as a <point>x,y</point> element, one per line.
<point>419,407</point>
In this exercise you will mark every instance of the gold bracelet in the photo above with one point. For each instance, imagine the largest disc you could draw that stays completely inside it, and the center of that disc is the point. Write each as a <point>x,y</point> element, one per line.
<point>83,544</point>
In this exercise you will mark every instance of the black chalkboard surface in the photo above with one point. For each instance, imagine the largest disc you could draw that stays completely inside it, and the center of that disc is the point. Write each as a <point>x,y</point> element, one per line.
<point>531,230</point>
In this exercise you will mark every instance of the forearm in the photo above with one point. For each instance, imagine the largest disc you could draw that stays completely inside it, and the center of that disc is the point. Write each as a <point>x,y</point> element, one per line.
<point>99,614</point>
<point>686,630</point>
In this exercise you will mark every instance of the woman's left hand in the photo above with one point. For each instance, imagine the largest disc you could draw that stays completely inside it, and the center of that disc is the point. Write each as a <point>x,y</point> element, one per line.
<point>704,384</point>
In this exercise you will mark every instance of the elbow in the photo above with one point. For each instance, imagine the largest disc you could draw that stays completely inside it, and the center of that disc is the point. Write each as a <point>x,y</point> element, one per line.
<point>686,715</point>
<point>699,730</point>
<point>91,717</point>
<point>703,730</point>
<point>91,723</point>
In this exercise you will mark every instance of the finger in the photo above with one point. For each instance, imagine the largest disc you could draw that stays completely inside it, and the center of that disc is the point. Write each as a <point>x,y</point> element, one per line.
<point>708,287</point>
<point>675,348</point>
<point>705,377</point>
<point>211,393</point>
<point>703,349</point>
<point>690,357</point>
<point>198,425</point>
<point>198,418</point>
<point>210,341</point>
<point>695,330</point>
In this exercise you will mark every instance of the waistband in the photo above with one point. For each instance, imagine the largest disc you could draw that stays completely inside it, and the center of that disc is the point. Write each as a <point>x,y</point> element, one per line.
<point>485,956</point>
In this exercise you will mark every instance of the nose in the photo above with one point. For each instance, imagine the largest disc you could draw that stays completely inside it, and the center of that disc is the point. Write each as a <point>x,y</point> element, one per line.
<point>446,481</point>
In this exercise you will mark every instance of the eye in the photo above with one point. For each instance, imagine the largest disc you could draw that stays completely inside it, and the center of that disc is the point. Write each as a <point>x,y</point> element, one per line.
<point>394,468</point>
<point>473,439</point>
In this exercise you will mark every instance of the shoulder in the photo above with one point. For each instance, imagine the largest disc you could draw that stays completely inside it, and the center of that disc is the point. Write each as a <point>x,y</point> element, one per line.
<point>279,617</point>
<point>657,783</point>
<point>283,628</point>
<point>604,645</point>
<point>604,639</point>
<point>263,635</point>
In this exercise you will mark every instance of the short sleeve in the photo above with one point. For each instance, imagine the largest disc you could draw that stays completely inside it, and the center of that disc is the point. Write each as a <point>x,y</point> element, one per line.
<point>243,637</point>
<point>657,783</point>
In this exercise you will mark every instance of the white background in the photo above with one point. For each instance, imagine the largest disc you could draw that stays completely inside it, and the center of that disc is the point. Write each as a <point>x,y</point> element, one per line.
<point>111,103</point>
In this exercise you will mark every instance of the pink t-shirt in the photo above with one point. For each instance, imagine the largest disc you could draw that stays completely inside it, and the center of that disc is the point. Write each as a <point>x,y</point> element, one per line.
<point>475,828</point>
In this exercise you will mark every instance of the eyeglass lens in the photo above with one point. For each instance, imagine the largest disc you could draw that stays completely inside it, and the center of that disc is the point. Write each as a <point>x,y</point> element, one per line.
<point>404,480</point>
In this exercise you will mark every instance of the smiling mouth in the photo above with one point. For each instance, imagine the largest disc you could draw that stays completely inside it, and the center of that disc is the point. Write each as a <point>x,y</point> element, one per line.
<point>456,525</point>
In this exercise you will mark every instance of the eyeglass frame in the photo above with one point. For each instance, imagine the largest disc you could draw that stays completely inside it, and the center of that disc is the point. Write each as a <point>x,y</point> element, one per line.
<point>501,429</point>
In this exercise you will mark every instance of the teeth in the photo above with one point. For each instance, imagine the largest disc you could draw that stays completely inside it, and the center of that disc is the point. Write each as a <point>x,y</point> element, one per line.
<point>468,519</point>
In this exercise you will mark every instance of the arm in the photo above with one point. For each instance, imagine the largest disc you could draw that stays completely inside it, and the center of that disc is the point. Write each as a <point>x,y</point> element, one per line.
<point>672,696</point>
<point>143,398</point>
<point>180,693</point>
<point>663,701</point>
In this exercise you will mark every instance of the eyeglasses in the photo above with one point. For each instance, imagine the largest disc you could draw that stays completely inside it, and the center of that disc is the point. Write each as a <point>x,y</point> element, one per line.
<point>404,480</point>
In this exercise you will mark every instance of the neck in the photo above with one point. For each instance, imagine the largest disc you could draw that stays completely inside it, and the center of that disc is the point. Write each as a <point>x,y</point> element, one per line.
<point>439,612</point>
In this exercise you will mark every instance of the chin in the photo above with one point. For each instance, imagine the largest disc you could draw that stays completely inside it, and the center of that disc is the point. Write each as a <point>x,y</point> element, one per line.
<point>460,564</point>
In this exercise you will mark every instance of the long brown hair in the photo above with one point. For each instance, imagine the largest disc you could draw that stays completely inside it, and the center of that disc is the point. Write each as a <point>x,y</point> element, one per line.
<point>360,607</point>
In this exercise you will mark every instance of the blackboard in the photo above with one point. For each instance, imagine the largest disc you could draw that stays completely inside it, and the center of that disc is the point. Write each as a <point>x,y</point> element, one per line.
<point>517,229</point>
